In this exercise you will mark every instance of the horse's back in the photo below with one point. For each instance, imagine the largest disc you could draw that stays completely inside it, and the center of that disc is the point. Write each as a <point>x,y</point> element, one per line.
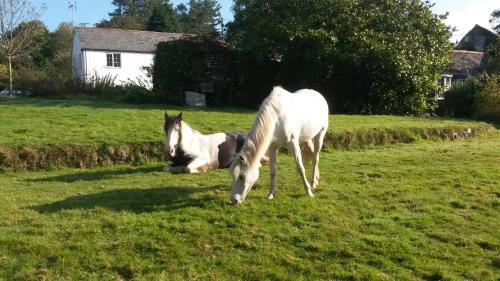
<point>304,112</point>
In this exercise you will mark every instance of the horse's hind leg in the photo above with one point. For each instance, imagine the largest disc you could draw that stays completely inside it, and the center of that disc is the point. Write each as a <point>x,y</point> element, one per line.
<point>273,168</point>
<point>300,166</point>
<point>318,144</point>
<point>196,166</point>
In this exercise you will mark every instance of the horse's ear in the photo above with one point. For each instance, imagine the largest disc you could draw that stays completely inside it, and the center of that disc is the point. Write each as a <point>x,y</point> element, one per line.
<point>166,115</point>
<point>179,116</point>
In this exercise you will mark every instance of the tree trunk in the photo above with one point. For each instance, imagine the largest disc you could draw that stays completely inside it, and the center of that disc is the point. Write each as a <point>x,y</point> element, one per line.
<point>10,76</point>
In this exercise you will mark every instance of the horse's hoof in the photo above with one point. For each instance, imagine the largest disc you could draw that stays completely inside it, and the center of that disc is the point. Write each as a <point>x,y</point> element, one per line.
<point>166,169</point>
<point>310,194</point>
<point>270,196</point>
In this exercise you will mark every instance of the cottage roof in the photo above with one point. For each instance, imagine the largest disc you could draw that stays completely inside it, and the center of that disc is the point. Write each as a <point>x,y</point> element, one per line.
<point>468,63</point>
<point>477,39</point>
<point>123,40</point>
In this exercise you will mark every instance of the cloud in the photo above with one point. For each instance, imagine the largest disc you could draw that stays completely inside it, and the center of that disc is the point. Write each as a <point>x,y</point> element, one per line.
<point>463,15</point>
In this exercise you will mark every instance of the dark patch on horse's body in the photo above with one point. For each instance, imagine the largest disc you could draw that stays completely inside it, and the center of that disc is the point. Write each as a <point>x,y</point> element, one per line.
<point>181,158</point>
<point>233,144</point>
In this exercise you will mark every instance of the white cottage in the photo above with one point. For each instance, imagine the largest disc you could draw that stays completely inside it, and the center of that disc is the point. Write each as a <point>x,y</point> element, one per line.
<point>121,54</point>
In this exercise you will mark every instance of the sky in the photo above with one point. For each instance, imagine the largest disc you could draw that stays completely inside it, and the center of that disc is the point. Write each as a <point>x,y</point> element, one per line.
<point>93,11</point>
<point>464,14</point>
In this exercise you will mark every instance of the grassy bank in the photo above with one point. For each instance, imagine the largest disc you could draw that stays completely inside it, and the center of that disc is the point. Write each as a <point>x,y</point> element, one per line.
<point>39,134</point>
<point>424,211</point>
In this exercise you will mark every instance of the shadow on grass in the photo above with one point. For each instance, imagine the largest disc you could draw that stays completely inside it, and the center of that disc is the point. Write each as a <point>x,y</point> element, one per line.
<point>136,200</point>
<point>99,175</point>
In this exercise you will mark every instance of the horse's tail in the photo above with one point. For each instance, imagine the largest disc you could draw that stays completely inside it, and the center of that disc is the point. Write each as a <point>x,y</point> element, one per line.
<point>306,149</point>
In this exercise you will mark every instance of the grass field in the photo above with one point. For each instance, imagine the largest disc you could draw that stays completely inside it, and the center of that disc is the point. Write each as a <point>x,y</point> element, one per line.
<point>38,134</point>
<point>422,211</point>
<point>42,122</point>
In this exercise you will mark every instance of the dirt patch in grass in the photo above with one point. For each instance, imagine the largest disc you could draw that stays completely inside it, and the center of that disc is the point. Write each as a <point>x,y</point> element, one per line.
<point>32,158</point>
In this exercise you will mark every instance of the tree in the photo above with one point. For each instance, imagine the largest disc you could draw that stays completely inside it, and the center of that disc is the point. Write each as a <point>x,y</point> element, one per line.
<point>122,22</point>
<point>495,20</point>
<point>59,47</point>
<point>380,56</point>
<point>163,19</point>
<point>494,49</point>
<point>203,16</point>
<point>17,35</point>
<point>40,37</point>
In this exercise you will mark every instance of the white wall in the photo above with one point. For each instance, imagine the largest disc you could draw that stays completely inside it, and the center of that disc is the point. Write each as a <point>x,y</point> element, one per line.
<point>131,66</point>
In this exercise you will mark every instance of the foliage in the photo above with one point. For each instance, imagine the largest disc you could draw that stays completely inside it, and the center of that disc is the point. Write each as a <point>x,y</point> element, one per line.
<point>237,77</point>
<point>378,214</point>
<point>4,76</point>
<point>199,16</point>
<point>494,52</point>
<point>18,31</point>
<point>495,20</point>
<point>186,64</point>
<point>459,100</point>
<point>163,19</point>
<point>202,17</point>
<point>367,56</point>
<point>122,22</point>
<point>46,70</point>
<point>487,101</point>
<point>478,98</point>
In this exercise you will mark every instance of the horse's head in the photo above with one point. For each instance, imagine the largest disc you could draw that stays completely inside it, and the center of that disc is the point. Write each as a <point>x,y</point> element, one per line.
<point>244,176</point>
<point>173,135</point>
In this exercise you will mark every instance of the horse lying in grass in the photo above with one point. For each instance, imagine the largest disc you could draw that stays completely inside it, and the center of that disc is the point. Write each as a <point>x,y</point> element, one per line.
<point>193,152</point>
<point>284,119</point>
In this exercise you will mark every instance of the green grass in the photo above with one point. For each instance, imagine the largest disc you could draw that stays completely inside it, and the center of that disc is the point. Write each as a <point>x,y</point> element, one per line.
<point>424,211</point>
<point>47,122</point>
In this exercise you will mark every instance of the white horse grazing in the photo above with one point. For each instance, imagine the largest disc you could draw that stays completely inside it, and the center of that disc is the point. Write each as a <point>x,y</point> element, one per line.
<point>284,119</point>
<point>193,152</point>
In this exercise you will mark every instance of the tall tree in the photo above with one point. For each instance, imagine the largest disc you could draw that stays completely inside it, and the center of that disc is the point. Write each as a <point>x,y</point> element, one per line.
<point>17,31</point>
<point>122,22</point>
<point>202,17</point>
<point>375,56</point>
<point>163,18</point>
<point>495,20</point>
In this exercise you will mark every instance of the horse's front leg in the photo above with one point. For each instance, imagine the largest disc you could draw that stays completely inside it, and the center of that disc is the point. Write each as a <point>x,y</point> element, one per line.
<point>273,168</point>
<point>197,165</point>
<point>300,166</point>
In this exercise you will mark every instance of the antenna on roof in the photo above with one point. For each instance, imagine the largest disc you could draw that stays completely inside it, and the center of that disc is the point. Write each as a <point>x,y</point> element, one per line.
<point>72,7</point>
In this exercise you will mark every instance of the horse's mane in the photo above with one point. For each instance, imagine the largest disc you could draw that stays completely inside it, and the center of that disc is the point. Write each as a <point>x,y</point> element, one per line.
<point>259,137</point>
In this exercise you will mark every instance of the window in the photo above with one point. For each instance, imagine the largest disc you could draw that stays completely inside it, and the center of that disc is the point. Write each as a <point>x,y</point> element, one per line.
<point>113,60</point>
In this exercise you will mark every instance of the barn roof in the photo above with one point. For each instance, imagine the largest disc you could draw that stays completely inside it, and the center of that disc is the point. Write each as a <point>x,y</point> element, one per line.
<point>123,40</point>
<point>468,63</point>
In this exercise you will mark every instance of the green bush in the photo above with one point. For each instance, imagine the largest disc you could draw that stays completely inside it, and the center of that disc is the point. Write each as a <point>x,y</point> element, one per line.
<point>238,79</point>
<point>476,98</point>
<point>187,63</point>
<point>459,99</point>
<point>487,102</point>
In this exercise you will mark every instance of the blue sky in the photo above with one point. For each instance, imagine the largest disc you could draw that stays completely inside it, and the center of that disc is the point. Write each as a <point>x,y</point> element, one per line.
<point>93,11</point>
<point>463,13</point>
